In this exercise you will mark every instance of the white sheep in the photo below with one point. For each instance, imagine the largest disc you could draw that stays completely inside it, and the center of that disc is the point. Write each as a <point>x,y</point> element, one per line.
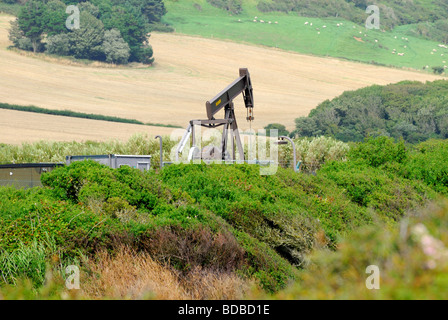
<point>306,22</point>
<point>276,22</point>
<point>262,21</point>
<point>324,26</point>
<point>400,53</point>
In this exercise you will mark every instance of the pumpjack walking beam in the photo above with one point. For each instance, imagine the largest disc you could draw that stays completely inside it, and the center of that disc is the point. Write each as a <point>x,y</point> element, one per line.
<point>224,100</point>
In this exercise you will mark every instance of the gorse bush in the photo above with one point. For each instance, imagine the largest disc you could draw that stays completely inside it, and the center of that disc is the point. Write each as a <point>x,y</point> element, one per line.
<point>221,218</point>
<point>412,261</point>
<point>429,163</point>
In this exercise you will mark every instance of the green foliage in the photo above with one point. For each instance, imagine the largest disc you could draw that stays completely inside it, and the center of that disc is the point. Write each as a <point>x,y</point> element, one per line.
<point>379,151</point>
<point>133,29</point>
<point>32,22</point>
<point>429,163</point>
<point>59,41</point>
<point>222,217</point>
<point>281,129</point>
<point>393,13</point>
<point>438,69</point>
<point>152,10</point>
<point>409,110</point>
<point>96,38</point>
<point>315,8</point>
<point>18,38</point>
<point>233,6</point>
<point>412,260</point>
<point>52,151</point>
<point>25,261</point>
<point>437,31</point>
<point>115,48</point>
<point>59,44</point>
<point>314,152</point>
<point>86,42</point>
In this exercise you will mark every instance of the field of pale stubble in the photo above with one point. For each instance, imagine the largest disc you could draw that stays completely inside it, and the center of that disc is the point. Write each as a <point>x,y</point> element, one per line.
<point>187,72</point>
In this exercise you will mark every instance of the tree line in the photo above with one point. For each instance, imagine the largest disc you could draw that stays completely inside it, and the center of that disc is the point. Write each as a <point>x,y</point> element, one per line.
<point>393,13</point>
<point>114,31</point>
<point>408,110</point>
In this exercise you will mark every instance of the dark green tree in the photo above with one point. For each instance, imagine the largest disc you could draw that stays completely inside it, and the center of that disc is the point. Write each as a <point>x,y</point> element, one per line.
<point>32,22</point>
<point>277,126</point>
<point>115,48</point>
<point>86,42</point>
<point>55,18</point>
<point>134,31</point>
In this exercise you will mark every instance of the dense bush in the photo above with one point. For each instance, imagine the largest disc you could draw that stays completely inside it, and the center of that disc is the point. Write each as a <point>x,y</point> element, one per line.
<point>429,163</point>
<point>410,110</point>
<point>41,26</point>
<point>115,48</point>
<point>393,13</point>
<point>233,6</point>
<point>412,261</point>
<point>222,217</point>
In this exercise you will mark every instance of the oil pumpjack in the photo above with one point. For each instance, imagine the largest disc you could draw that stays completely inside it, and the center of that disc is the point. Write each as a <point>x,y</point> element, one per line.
<point>223,100</point>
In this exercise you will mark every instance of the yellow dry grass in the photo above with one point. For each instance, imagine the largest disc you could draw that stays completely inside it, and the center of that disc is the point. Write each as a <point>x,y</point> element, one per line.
<point>129,275</point>
<point>188,72</point>
<point>18,126</point>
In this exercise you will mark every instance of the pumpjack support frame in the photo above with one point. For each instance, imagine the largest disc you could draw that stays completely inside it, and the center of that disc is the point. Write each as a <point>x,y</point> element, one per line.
<point>224,100</point>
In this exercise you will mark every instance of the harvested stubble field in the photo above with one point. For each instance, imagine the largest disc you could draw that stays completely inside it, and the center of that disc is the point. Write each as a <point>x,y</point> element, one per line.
<point>188,71</point>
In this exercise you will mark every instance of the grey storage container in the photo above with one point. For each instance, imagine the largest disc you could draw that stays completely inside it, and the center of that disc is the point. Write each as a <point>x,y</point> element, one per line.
<point>141,162</point>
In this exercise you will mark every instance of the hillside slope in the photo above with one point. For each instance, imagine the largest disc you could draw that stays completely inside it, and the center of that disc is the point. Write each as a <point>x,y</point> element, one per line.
<point>188,72</point>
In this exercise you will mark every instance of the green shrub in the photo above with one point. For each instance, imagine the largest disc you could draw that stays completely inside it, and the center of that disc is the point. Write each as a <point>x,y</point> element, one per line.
<point>429,163</point>
<point>412,259</point>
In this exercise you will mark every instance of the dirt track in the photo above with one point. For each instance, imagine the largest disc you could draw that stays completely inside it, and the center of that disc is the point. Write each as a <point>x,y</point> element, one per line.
<point>188,72</point>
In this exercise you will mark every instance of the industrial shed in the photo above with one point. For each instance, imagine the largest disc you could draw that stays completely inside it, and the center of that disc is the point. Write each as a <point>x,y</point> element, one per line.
<point>26,175</point>
<point>141,162</point>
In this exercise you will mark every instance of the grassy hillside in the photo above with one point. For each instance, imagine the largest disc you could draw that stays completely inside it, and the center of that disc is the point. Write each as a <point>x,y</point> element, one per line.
<point>339,38</point>
<point>222,221</point>
<point>173,91</point>
<point>412,111</point>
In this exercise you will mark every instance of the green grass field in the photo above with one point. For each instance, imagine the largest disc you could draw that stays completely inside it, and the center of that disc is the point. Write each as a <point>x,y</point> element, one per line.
<point>198,17</point>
